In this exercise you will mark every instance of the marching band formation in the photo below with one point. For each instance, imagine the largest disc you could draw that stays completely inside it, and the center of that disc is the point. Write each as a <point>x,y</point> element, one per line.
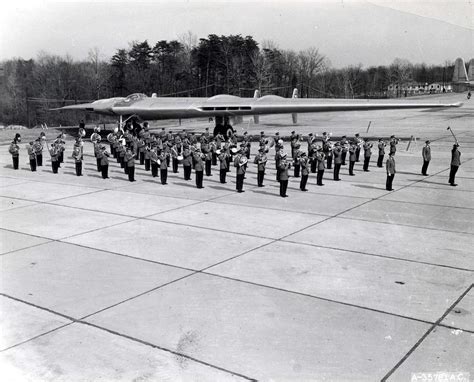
<point>134,143</point>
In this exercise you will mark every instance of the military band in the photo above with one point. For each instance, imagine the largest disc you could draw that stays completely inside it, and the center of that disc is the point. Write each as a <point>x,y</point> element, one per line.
<point>203,151</point>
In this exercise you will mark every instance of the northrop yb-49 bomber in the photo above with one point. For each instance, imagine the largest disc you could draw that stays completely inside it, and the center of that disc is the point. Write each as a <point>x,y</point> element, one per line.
<point>224,107</point>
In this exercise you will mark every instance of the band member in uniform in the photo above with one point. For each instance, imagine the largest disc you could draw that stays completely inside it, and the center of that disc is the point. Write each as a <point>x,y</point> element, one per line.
<point>321,164</point>
<point>367,154</point>
<point>104,164</point>
<point>247,144</point>
<point>141,145</point>
<point>95,136</point>
<point>38,146</point>
<point>14,150</point>
<point>239,162</point>
<point>337,152</point>
<point>296,160</point>
<point>130,164</point>
<point>77,155</point>
<point>174,158</point>
<point>327,149</point>
<point>284,165</point>
<point>426,153</point>
<point>304,163</point>
<point>261,162</point>
<point>359,143</point>
<point>393,145</point>
<point>352,157</point>
<point>293,143</point>
<point>98,156</point>
<point>199,167</point>
<point>164,166</point>
<point>390,165</point>
<point>147,160</point>
<point>206,150</point>
<point>213,147</point>
<point>187,162</point>
<point>278,156</point>
<point>344,147</point>
<point>111,139</point>
<point>381,147</point>
<point>32,156</point>
<point>223,159</point>
<point>154,159</point>
<point>54,152</point>
<point>455,163</point>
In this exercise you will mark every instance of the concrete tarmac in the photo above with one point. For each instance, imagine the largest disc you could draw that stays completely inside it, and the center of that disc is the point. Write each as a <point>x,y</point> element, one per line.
<point>111,280</point>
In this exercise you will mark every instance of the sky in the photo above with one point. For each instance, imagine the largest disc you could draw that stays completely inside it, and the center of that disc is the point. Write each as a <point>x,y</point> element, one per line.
<point>372,32</point>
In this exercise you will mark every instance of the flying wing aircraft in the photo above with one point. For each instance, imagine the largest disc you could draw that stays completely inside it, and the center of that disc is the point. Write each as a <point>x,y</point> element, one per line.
<point>223,107</point>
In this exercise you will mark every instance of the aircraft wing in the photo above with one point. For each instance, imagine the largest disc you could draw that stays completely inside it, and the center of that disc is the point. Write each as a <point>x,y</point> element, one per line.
<point>227,105</point>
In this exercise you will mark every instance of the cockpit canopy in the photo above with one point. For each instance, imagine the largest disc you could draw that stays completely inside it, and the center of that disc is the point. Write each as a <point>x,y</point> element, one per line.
<point>135,97</point>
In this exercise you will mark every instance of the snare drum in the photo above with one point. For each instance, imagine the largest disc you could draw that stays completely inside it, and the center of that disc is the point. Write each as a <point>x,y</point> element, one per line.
<point>180,158</point>
<point>234,150</point>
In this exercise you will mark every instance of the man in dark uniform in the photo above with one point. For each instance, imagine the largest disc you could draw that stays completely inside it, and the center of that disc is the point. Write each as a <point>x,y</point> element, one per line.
<point>393,145</point>
<point>337,152</point>
<point>426,153</point>
<point>359,143</point>
<point>32,156</point>
<point>304,163</point>
<point>455,163</point>
<point>367,154</point>
<point>327,149</point>
<point>381,147</point>
<point>344,144</point>
<point>53,151</point>
<point>77,155</point>
<point>260,161</point>
<point>154,161</point>
<point>352,157</point>
<point>199,168</point>
<point>38,146</point>
<point>130,164</point>
<point>284,165</point>
<point>390,165</point>
<point>104,164</point>
<point>223,155</point>
<point>320,164</point>
<point>187,163</point>
<point>164,166</point>
<point>14,150</point>
<point>239,162</point>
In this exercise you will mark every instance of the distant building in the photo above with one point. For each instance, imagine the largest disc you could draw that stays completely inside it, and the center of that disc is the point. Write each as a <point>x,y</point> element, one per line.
<point>415,88</point>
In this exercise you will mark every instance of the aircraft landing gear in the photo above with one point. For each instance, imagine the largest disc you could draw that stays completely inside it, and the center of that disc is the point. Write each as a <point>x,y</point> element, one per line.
<point>223,126</point>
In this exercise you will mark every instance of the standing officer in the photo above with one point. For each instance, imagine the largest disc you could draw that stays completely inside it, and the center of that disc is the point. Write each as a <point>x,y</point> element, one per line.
<point>99,155</point>
<point>455,163</point>
<point>352,157</point>
<point>174,158</point>
<point>393,145</point>
<point>381,147</point>
<point>337,152</point>
<point>426,153</point>
<point>164,166</point>
<point>14,150</point>
<point>321,165</point>
<point>284,165</point>
<point>261,162</point>
<point>367,154</point>
<point>199,167</point>
<point>278,157</point>
<point>304,163</point>
<point>32,156</point>
<point>77,155</point>
<point>104,164</point>
<point>206,151</point>
<point>390,165</point>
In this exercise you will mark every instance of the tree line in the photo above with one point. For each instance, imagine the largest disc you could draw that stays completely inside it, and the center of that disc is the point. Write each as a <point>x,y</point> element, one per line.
<point>190,67</point>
